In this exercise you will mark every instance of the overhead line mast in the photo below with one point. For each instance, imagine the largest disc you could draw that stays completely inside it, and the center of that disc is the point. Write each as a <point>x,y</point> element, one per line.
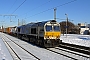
<point>54,13</point>
<point>10,16</point>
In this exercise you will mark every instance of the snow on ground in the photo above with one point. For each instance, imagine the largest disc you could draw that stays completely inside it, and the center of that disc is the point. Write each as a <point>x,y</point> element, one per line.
<point>83,40</point>
<point>43,54</point>
<point>4,53</point>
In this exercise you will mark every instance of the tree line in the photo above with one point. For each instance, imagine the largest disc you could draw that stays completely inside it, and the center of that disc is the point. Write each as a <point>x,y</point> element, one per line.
<point>71,28</point>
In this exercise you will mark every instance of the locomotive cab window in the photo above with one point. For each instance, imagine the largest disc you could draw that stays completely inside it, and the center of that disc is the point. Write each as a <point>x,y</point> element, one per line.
<point>48,28</point>
<point>56,28</point>
<point>18,29</point>
<point>52,27</point>
<point>33,30</point>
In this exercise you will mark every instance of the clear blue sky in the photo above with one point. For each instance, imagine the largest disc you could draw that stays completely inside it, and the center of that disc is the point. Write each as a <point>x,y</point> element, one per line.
<point>41,10</point>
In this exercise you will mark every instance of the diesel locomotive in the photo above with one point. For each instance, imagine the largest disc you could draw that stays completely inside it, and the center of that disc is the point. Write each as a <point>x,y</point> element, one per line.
<point>45,33</point>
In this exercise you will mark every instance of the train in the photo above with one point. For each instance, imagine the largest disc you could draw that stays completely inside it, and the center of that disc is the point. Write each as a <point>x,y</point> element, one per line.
<point>45,33</point>
<point>10,30</point>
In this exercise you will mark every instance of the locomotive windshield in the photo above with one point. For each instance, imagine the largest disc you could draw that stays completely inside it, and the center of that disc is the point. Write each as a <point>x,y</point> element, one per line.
<point>48,28</point>
<point>52,28</point>
<point>56,28</point>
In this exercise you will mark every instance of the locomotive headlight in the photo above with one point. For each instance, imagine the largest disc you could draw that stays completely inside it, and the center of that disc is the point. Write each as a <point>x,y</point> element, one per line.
<point>46,37</point>
<point>58,37</point>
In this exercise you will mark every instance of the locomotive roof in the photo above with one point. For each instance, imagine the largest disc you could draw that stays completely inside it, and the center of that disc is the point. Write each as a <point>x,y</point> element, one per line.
<point>38,23</point>
<point>47,21</point>
<point>43,22</point>
<point>29,24</point>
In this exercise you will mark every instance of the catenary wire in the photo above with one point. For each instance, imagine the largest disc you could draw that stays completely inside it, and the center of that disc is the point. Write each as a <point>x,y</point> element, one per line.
<point>38,6</point>
<point>52,8</point>
<point>12,6</point>
<point>18,6</point>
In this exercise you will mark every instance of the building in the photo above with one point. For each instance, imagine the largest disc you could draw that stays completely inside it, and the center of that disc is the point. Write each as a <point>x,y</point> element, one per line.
<point>84,29</point>
<point>88,27</point>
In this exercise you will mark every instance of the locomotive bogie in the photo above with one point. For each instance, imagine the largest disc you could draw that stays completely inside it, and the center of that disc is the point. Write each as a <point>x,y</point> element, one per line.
<point>52,43</point>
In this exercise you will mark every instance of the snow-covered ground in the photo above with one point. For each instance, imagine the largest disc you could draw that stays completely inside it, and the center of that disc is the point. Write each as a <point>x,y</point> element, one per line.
<point>83,40</point>
<point>44,54</point>
<point>4,53</point>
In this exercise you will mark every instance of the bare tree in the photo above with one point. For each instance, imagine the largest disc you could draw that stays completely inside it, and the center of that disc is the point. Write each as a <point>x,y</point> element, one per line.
<point>71,28</point>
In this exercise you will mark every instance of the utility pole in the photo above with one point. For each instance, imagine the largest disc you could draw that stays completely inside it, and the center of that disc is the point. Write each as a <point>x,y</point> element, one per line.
<point>18,22</point>
<point>2,22</point>
<point>54,13</point>
<point>66,23</point>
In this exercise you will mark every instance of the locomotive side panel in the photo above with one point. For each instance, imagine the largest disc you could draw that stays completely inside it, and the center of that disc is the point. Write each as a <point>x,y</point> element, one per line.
<point>41,31</point>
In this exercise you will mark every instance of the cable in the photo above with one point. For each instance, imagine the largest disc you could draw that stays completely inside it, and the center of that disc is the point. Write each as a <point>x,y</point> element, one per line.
<point>12,5</point>
<point>19,6</point>
<point>66,3</point>
<point>39,6</point>
<point>53,8</point>
<point>41,12</point>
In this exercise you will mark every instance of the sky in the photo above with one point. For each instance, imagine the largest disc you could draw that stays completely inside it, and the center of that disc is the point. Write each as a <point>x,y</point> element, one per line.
<point>78,11</point>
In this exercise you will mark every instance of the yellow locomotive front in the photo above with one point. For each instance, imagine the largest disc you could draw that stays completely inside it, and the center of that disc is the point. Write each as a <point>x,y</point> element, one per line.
<point>52,34</point>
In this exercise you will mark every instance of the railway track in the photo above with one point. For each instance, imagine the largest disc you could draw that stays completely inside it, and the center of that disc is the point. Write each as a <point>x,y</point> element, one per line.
<point>69,54</point>
<point>18,52</point>
<point>74,52</point>
<point>77,48</point>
